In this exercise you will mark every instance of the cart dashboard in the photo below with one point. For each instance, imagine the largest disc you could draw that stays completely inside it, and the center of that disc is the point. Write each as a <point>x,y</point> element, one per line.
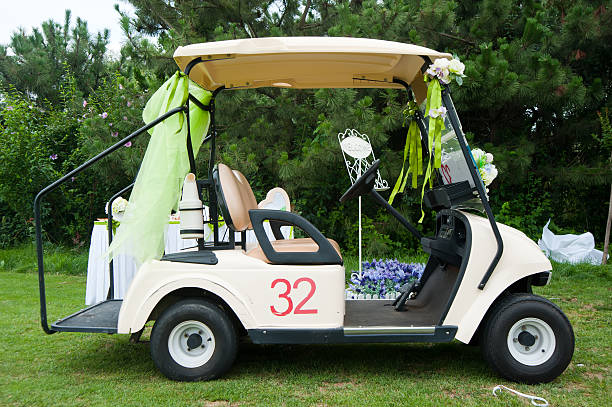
<point>449,244</point>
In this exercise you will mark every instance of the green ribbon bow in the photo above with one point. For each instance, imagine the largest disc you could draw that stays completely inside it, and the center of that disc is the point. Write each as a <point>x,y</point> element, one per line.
<point>413,151</point>
<point>436,125</point>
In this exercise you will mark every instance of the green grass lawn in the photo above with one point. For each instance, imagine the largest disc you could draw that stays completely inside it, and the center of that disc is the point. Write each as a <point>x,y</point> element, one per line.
<point>99,369</point>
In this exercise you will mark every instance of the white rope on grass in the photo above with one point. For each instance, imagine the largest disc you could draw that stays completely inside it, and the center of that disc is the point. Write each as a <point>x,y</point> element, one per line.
<point>535,400</point>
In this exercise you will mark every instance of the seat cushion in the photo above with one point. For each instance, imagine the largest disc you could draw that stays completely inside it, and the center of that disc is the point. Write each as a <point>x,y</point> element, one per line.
<point>303,245</point>
<point>236,198</point>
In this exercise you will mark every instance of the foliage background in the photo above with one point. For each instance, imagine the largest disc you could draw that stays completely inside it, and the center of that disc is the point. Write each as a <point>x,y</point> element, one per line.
<point>538,74</point>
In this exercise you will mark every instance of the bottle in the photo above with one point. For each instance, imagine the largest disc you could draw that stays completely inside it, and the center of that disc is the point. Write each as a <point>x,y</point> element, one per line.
<point>192,221</point>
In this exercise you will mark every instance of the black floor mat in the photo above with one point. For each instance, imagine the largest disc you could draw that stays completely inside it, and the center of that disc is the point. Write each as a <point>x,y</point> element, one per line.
<point>101,317</point>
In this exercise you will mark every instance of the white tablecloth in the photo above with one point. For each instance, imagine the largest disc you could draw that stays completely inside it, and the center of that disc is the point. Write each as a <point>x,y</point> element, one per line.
<point>125,267</point>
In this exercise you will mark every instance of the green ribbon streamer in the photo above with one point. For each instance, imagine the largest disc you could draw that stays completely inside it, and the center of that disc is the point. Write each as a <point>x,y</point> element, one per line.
<point>160,178</point>
<point>436,125</point>
<point>414,153</point>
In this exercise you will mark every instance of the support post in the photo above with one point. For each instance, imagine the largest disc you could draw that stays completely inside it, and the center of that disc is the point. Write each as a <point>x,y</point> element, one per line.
<point>360,260</point>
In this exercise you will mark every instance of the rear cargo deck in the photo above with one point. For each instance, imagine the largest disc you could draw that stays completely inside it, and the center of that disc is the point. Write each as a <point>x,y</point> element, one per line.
<point>101,317</point>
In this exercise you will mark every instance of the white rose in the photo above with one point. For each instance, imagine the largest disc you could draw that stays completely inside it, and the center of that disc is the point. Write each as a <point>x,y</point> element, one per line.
<point>444,76</point>
<point>441,63</point>
<point>456,67</point>
<point>493,172</point>
<point>489,158</point>
<point>119,206</point>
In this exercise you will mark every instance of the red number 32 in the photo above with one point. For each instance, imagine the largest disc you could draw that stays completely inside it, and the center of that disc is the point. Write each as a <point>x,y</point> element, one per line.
<point>285,295</point>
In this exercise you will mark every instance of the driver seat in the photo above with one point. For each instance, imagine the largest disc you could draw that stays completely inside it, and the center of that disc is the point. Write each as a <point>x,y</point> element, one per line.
<point>236,199</point>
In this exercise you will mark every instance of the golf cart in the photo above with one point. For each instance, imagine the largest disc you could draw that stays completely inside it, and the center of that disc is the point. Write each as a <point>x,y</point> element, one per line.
<point>476,285</point>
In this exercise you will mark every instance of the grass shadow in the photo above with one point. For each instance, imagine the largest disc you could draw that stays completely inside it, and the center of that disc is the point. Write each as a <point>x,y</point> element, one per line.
<point>110,355</point>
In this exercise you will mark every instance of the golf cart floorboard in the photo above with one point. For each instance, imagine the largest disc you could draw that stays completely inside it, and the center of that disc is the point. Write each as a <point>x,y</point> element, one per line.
<point>360,313</point>
<point>101,317</point>
<point>425,310</point>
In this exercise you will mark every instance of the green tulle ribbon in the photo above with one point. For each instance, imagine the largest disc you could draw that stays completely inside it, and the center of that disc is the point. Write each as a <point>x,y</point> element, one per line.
<point>436,125</point>
<point>413,151</point>
<point>160,178</point>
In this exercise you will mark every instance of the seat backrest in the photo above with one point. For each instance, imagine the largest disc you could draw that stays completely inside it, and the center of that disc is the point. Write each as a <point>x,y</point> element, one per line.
<point>235,197</point>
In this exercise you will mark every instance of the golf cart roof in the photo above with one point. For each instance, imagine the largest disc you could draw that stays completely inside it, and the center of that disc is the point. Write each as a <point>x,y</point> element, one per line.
<point>304,62</point>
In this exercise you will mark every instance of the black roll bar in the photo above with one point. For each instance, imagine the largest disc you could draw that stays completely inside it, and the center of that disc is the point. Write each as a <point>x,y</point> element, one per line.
<point>54,185</point>
<point>454,119</point>
<point>212,136</point>
<point>212,194</point>
<point>467,155</point>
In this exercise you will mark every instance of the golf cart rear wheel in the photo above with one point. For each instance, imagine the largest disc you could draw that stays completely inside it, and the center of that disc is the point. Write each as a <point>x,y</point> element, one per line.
<point>193,339</point>
<point>527,339</point>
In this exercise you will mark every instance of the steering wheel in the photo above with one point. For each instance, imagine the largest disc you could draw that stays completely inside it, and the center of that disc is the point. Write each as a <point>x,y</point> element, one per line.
<point>363,185</point>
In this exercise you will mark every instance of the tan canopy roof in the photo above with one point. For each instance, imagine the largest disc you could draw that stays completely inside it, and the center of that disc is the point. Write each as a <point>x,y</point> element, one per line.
<point>304,62</point>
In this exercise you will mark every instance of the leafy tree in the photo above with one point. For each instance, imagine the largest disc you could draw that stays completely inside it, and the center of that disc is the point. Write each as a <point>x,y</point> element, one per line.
<point>38,62</point>
<point>537,74</point>
<point>73,109</point>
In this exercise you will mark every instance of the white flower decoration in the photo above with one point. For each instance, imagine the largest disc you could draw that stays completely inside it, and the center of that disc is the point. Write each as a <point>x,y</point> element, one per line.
<point>446,70</point>
<point>439,112</point>
<point>119,206</point>
<point>456,67</point>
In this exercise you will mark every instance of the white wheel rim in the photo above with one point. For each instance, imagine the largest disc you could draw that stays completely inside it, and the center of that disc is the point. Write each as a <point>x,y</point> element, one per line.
<point>191,344</point>
<point>531,341</point>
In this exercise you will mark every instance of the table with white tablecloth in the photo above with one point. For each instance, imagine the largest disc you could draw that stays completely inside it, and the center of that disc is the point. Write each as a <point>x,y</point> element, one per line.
<point>125,266</point>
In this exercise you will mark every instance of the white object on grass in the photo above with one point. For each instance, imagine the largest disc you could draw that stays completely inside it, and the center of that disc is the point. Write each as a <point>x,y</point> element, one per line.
<point>358,157</point>
<point>535,400</point>
<point>570,248</point>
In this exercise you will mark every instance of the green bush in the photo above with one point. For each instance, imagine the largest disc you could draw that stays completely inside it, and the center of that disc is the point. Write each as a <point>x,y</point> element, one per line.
<point>43,141</point>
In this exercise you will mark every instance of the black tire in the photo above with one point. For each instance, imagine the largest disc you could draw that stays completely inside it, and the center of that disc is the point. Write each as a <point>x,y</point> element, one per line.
<point>193,319</point>
<point>505,315</point>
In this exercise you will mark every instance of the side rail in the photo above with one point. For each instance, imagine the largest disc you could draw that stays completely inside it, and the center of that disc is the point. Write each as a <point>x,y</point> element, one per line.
<point>54,185</point>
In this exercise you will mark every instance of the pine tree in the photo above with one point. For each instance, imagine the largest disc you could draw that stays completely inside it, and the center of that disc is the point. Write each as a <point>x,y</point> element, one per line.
<point>38,62</point>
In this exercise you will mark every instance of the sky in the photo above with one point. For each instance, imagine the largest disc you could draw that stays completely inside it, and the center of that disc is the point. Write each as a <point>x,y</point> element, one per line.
<point>99,14</point>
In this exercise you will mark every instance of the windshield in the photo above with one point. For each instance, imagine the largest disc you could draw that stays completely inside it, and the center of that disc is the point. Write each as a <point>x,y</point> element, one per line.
<point>454,168</point>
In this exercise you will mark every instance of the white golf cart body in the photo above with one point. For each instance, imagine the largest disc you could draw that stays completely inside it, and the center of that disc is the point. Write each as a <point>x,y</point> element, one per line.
<point>474,263</point>
<point>244,284</point>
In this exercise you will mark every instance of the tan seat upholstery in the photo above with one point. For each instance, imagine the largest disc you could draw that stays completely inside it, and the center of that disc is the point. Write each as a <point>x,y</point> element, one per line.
<point>238,198</point>
<point>303,245</point>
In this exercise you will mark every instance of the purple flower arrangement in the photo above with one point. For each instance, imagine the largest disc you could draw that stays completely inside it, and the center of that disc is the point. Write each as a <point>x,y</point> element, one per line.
<point>383,277</point>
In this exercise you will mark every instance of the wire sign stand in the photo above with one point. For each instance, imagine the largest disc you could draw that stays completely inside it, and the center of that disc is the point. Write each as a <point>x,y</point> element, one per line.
<point>358,157</point>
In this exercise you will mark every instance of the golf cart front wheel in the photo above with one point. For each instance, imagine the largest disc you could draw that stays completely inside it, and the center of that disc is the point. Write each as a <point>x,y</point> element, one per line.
<point>527,339</point>
<point>193,339</point>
